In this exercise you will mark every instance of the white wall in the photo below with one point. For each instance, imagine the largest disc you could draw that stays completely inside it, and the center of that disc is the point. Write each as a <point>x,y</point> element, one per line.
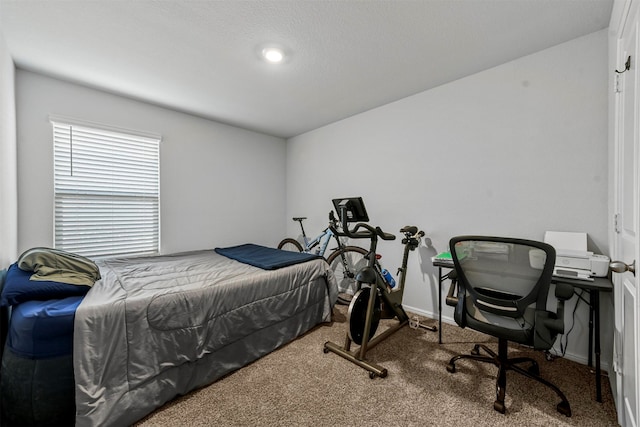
<point>8,172</point>
<point>515,150</point>
<point>219,185</point>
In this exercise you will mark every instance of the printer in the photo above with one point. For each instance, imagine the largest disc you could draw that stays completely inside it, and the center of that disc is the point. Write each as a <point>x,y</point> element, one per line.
<point>573,260</point>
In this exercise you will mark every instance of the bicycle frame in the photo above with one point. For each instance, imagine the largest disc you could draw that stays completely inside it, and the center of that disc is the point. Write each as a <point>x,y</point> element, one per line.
<point>322,239</point>
<point>344,260</point>
<point>321,242</point>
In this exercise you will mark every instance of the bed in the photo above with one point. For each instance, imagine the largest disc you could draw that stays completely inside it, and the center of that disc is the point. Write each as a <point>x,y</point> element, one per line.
<point>37,364</point>
<point>36,376</point>
<point>156,327</point>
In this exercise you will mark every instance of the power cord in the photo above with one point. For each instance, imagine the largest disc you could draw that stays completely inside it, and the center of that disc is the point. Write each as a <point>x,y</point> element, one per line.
<point>565,337</point>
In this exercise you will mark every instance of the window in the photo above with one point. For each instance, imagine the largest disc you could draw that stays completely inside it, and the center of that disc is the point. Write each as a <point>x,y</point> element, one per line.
<point>107,191</point>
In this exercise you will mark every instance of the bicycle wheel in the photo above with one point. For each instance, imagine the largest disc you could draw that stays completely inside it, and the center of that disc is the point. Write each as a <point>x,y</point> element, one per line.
<point>289,244</point>
<point>345,263</point>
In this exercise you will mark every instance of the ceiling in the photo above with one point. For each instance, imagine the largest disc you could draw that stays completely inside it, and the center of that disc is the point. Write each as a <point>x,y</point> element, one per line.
<point>344,56</point>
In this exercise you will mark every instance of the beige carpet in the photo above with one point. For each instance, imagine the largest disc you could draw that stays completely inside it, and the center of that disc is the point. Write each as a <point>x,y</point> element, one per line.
<point>299,385</point>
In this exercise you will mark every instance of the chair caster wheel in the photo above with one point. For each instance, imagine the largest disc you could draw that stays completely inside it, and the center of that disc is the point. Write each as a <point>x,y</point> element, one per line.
<point>564,408</point>
<point>451,368</point>
<point>499,406</point>
<point>325,350</point>
<point>372,375</point>
<point>476,350</point>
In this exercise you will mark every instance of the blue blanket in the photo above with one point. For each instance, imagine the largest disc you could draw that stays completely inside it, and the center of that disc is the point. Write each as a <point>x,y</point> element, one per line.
<point>264,257</point>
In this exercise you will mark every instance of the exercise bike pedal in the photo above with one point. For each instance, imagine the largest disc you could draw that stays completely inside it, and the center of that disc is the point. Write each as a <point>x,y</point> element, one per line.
<point>414,323</point>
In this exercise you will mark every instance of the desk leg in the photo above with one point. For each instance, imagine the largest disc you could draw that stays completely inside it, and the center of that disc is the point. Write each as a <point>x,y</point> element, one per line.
<point>596,307</point>
<point>591,310</point>
<point>439,305</point>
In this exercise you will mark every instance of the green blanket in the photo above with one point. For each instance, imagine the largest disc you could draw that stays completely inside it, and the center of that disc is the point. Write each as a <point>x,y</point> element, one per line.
<point>59,266</point>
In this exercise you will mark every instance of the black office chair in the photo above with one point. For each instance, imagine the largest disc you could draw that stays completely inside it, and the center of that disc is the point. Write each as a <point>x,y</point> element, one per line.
<point>501,290</point>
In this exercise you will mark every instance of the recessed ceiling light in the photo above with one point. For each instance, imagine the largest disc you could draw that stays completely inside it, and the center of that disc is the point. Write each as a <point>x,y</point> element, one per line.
<point>273,55</point>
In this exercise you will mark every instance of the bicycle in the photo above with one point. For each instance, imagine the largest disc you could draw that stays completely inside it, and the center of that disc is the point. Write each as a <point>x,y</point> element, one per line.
<point>345,261</point>
<point>378,296</point>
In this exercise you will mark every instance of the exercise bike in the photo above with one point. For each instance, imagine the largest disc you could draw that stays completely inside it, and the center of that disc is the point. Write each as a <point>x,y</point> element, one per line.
<point>376,299</point>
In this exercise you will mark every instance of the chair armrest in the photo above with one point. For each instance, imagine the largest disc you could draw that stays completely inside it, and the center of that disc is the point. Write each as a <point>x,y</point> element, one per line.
<point>564,291</point>
<point>547,327</point>
<point>452,295</point>
<point>555,324</point>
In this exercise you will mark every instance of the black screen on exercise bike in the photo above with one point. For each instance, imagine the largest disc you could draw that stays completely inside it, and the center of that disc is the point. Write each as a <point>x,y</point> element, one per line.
<point>355,209</point>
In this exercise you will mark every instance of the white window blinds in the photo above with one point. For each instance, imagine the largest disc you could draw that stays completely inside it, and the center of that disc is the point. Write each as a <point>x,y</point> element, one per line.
<point>107,191</point>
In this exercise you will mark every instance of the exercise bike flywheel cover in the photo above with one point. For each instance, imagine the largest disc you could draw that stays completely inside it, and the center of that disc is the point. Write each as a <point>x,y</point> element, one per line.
<point>357,315</point>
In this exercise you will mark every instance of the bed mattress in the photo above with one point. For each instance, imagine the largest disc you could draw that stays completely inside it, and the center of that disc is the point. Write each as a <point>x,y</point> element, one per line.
<point>43,329</point>
<point>37,384</point>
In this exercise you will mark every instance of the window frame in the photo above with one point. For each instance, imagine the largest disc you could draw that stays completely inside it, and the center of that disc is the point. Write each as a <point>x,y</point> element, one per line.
<point>106,189</point>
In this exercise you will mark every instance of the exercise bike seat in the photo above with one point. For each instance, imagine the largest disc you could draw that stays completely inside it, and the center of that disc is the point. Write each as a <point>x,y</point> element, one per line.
<point>299,218</point>
<point>411,229</point>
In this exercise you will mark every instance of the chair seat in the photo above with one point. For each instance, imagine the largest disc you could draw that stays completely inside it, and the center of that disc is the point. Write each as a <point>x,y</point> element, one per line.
<point>516,329</point>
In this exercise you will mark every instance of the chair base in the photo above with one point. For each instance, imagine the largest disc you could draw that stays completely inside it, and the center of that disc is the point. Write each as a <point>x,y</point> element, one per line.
<point>504,364</point>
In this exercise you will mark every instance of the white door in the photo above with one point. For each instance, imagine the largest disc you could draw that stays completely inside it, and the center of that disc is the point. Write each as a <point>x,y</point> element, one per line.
<point>627,233</point>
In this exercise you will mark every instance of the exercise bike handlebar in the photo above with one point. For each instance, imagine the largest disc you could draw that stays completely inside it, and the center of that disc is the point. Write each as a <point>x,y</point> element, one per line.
<point>370,233</point>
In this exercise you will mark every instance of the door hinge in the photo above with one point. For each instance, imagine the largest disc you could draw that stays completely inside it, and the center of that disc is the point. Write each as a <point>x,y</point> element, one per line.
<point>616,84</point>
<point>616,223</point>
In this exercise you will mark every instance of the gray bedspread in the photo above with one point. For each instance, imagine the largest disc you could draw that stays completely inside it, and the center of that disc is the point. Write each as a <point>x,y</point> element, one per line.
<point>156,327</point>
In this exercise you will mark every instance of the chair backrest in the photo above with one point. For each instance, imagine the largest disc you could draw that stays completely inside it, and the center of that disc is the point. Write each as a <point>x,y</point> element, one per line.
<point>502,276</point>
